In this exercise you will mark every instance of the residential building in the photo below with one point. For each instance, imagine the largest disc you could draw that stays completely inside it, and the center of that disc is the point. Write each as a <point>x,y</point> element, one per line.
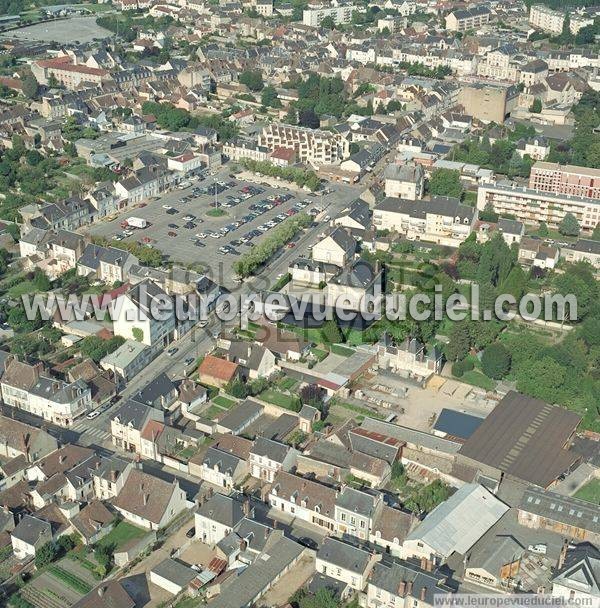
<point>338,248</point>
<point>356,512</point>
<point>20,439</point>
<point>148,501</point>
<point>403,584</point>
<point>441,220</point>
<point>404,181</point>
<point>218,516</point>
<point>25,387</point>
<point>267,457</point>
<point>577,578</point>
<point>535,252</point>
<point>312,146</point>
<point>546,19</point>
<point>344,562</point>
<point>221,468</point>
<point>468,19</point>
<point>128,423</point>
<point>107,264</point>
<point>534,206</point>
<point>581,182</point>
<point>29,535</point>
<point>340,13</point>
<point>584,250</point>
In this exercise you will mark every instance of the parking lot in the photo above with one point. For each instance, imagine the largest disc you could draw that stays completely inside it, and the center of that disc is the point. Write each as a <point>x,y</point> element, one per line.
<point>184,224</point>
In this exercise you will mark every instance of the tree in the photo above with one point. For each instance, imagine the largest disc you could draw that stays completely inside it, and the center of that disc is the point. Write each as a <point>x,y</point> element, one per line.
<point>252,79</point>
<point>536,106</point>
<point>445,182</point>
<point>328,23</point>
<point>308,118</point>
<point>46,554</point>
<point>569,226</point>
<point>543,230</point>
<point>138,334</point>
<point>426,498</point>
<point>330,332</point>
<point>237,388</point>
<point>459,341</point>
<point>495,361</point>
<point>30,85</point>
<point>312,394</point>
<point>269,97</point>
<point>541,378</point>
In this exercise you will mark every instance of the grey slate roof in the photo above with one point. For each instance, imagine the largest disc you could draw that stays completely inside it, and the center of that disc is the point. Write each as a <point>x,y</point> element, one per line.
<point>30,528</point>
<point>225,510</point>
<point>175,572</point>
<point>356,501</point>
<point>271,449</point>
<point>343,555</point>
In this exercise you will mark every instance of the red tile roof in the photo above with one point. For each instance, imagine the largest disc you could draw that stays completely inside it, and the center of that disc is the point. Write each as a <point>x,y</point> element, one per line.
<point>217,368</point>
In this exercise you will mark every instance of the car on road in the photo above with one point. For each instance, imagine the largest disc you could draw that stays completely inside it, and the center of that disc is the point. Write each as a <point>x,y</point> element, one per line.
<point>166,207</point>
<point>172,351</point>
<point>189,360</point>
<point>172,233</point>
<point>203,323</point>
<point>93,415</point>
<point>190,533</point>
<point>310,543</point>
<point>291,245</point>
<point>199,244</point>
<point>172,211</point>
<point>174,226</point>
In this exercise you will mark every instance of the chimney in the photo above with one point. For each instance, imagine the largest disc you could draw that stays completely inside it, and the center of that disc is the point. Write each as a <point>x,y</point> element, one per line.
<point>409,587</point>
<point>423,563</point>
<point>423,593</point>
<point>429,565</point>
<point>563,555</point>
<point>246,507</point>
<point>146,498</point>
<point>402,589</point>
<point>62,458</point>
<point>113,475</point>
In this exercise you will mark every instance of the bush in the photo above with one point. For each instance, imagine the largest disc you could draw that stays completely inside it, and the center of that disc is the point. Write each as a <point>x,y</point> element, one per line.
<point>495,361</point>
<point>462,366</point>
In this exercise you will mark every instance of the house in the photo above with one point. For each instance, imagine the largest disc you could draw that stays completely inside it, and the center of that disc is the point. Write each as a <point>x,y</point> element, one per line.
<point>512,230</point>
<point>106,264</point>
<point>110,593</point>
<point>217,372</point>
<point>390,529</point>
<point>159,393</point>
<point>29,535</point>
<point>455,525</point>
<point>255,361</point>
<point>286,345</point>
<point>129,421</point>
<point>534,252</point>
<point>403,584</point>
<point>217,517</point>
<point>221,468</point>
<point>356,512</point>
<point>355,287</point>
<point>133,317</point>
<point>356,217</point>
<point>404,181</point>
<point>410,355</point>
<point>24,387</point>
<point>148,501</point>
<point>344,562</point>
<point>305,499</point>
<point>128,360</point>
<point>583,250</point>
<point>20,439</point>
<point>93,522</point>
<point>578,578</point>
<point>267,457</point>
<point>338,248</point>
<point>110,477</point>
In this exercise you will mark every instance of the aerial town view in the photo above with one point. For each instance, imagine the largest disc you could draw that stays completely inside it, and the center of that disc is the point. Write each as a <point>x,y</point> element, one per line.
<point>300,303</point>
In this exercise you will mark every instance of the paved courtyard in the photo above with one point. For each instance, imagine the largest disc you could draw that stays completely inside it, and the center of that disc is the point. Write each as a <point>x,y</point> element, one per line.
<point>84,28</point>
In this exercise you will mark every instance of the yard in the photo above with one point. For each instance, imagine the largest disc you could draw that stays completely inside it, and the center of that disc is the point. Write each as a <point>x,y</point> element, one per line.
<point>224,402</point>
<point>288,402</point>
<point>590,492</point>
<point>121,534</point>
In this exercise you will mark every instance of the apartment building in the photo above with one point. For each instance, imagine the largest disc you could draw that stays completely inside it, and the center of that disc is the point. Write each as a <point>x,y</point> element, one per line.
<point>67,72</point>
<point>565,179</point>
<point>341,15</point>
<point>26,388</point>
<point>532,206</point>
<point>546,19</point>
<point>312,146</point>
<point>239,150</point>
<point>468,18</point>
<point>441,220</point>
<point>108,264</point>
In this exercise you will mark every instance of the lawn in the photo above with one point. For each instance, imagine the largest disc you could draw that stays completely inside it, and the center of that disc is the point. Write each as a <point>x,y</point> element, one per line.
<point>343,351</point>
<point>224,402</point>
<point>361,411</point>
<point>319,353</point>
<point>216,212</point>
<point>287,383</point>
<point>590,492</point>
<point>478,379</point>
<point>122,533</point>
<point>288,402</point>
<point>212,412</point>
<point>22,288</point>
